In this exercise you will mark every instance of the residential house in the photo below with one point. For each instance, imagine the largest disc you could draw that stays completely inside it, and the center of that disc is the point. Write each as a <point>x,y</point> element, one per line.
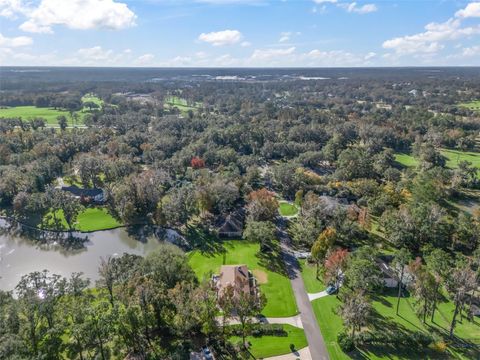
<point>232,225</point>
<point>390,274</point>
<point>94,195</point>
<point>238,277</point>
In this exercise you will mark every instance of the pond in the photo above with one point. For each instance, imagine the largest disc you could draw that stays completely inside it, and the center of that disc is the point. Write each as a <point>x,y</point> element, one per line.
<point>20,256</point>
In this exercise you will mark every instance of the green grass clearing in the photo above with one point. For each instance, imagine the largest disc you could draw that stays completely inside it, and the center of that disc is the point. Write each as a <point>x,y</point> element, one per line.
<point>406,160</point>
<point>277,288</point>
<point>266,346</point>
<point>181,104</point>
<point>97,218</point>
<point>472,105</point>
<point>456,156</point>
<point>453,158</point>
<point>91,98</point>
<point>287,209</point>
<point>30,112</point>
<point>91,219</point>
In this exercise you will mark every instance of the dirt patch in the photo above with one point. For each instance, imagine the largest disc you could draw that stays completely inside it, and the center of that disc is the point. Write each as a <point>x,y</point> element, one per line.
<point>261,276</point>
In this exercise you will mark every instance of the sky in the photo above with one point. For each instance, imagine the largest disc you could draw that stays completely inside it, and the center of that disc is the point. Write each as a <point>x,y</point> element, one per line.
<point>239,33</point>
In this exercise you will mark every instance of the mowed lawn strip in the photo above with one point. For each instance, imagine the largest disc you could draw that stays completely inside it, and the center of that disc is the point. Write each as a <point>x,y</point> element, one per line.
<point>266,346</point>
<point>277,288</point>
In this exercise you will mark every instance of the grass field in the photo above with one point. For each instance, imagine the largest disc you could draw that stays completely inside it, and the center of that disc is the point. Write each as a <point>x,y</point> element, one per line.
<point>180,103</point>
<point>97,218</point>
<point>92,98</point>
<point>91,219</point>
<point>29,112</point>
<point>385,319</point>
<point>453,158</point>
<point>49,114</point>
<point>277,288</point>
<point>287,209</point>
<point>266,346</point>
<point>406,160</point>
<point>472,105</point>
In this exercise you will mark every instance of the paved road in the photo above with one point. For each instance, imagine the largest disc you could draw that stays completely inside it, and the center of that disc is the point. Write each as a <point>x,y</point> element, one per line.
<point>315,340</point>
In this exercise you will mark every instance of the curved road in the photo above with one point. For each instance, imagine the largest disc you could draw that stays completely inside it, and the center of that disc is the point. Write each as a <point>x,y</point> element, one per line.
<point>316,344</point>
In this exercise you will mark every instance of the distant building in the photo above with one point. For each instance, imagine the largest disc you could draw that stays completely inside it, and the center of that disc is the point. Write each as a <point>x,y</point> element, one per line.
<point>237,277</point>
<point>94,195</point>
<point>232,225</point>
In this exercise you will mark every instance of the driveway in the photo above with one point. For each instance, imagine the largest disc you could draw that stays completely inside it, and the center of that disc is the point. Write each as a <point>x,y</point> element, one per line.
<point>303,354</point>
<point>318,295</point>
<point>292,320</point>
<point>316,344</point>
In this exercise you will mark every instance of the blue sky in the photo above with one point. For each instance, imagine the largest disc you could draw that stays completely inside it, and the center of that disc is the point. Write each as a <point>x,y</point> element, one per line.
<point>239,33</point>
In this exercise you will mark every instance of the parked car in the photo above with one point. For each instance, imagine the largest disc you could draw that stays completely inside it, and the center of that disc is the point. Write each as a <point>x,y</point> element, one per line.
<point>331,289</point>
<point>207,353</point>
<point>302,255</point>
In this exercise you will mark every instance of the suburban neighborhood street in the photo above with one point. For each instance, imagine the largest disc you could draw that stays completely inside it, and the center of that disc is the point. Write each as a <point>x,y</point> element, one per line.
<point>315,340</point>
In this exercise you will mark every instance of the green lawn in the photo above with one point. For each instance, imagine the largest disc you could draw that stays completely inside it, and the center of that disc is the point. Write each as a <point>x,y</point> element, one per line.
<point>93,98</point>
<point>276,286</point>
<point>29,112</point>
<point>96,218</point>
<point>266,346</point>
<point>472,105</point>
<point>287,209</point>
<point>181,104</point>
<point>384,305</point>
<point>406,160</point>
<point>453,158</point>
<point>91,219</point>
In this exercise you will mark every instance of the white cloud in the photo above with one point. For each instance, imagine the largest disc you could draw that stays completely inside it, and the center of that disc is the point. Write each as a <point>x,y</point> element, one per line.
<point>370,55</point>
<point>221,38</point>
<point>318,57</point>
<point>245,44</point>
<point>324,1</point>
<point>430,41</point>
<point>471,51</point>
<point>96,53</point>
<point>472,10</point>
<point>11,8</point>
<point>285,36</point>
<point>145,59</point>
<point>231,2</point>
<point>270,54</point>
<point>363,9</point>
<point>13,42</point>
<point>74,14</point>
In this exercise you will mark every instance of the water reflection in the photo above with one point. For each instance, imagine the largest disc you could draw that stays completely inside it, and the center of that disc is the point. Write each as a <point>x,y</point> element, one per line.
<point>20,255</point>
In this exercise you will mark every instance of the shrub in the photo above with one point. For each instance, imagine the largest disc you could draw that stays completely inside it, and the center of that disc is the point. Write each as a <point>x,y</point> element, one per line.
<point>345,342</point>
<point>439,346</point>
<point>258,330</point>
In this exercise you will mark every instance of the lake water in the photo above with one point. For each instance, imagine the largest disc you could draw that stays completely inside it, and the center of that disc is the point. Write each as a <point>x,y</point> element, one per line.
<point>19,256</point>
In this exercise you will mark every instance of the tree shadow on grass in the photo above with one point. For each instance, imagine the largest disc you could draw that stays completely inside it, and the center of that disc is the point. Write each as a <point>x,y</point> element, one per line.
<point>208,243</point>
<point>272,259</point>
